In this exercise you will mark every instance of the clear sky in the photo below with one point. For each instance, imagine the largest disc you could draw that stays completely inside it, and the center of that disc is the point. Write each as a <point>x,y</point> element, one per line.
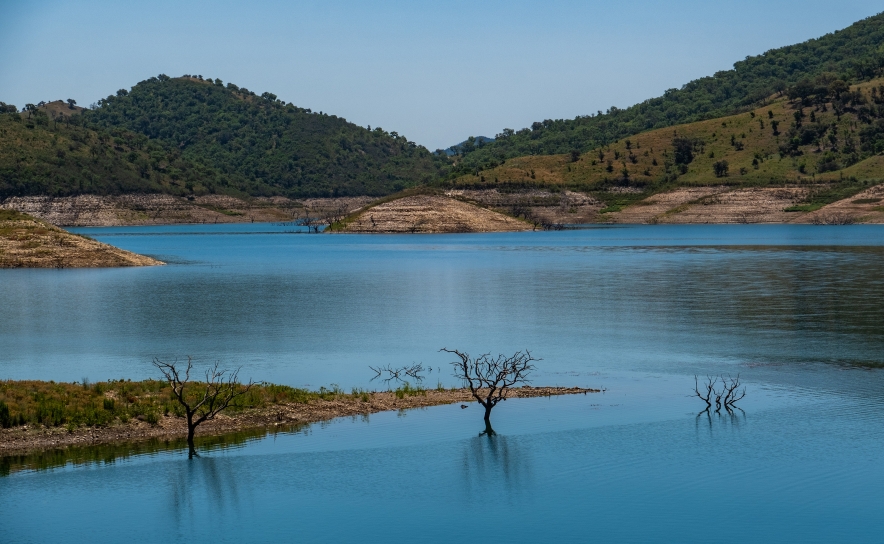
<point>435,72</point>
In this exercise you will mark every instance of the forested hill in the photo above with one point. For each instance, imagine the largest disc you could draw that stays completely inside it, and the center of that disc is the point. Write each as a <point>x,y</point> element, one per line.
<point>263,146</point>
<point>853,54</point>
<point>47,151</point>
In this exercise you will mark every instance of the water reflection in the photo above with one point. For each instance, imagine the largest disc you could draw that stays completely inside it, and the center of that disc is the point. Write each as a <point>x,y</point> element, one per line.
<point>712,421</point>
<point>490,461</point>
<point>203,482</point>
<point>701,297</point>
<point>109,454</point>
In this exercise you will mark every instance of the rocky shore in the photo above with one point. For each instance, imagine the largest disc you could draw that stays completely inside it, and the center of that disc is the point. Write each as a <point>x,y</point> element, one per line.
<point>462,210</point>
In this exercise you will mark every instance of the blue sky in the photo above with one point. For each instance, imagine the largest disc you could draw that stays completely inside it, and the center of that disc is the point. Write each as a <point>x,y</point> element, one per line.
<point>433,71</point>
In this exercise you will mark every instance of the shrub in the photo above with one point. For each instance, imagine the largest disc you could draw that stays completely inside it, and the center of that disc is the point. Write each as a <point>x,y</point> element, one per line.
<point>5,419</point>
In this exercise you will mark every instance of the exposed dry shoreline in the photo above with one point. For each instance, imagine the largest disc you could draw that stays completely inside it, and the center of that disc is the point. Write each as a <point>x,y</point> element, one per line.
<point>431,214</point>
<point>29,439</point>
<point>26,242</point>
<point>455,212</point>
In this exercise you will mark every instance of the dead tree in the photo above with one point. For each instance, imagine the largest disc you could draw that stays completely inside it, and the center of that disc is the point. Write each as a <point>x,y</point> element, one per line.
<point>202,400</point>
<point>490,378</point>
<point>312,222</point>
<point>732,392</point>
<point>707,391</point>
<point>399,374</point>
<point>725,398</point>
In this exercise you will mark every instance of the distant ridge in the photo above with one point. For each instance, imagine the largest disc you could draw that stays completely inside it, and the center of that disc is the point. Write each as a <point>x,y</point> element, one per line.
<point>853,54</point>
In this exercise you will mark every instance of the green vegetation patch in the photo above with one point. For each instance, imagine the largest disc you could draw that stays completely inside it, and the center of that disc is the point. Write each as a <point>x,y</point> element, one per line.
<point>13,215</point>
<point>63,157</point>
<point>74,405</point>
<point>823,196</point>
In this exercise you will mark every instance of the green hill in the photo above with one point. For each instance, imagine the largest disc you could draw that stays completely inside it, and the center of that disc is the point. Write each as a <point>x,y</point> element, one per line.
<point>264,146</point>
<point>823,135</point>
<point>47,151</point>
<point>854,54</point>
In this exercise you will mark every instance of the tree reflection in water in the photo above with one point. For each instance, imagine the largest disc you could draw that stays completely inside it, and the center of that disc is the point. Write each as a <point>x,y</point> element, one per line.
<point>203,483</point>
<point>490,461</point>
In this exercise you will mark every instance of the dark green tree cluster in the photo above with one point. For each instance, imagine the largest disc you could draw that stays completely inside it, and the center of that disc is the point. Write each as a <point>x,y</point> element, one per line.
<point>264,146</point>
<point>40,155</point>
<point>850,55</point>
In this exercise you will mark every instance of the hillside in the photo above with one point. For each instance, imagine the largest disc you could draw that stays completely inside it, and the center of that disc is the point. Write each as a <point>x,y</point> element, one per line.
<point>263,145</point>
<point>47,151</point>
<point>829,137</point>
<point>26,242</point>
<point>853,54</point>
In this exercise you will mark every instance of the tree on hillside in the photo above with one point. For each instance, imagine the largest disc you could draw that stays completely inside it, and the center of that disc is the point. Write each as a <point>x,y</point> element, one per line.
<point>490,378</point>
<point>71,103</point>
<point>684,150</point>
<point>202,401</point>
<point>720,168</point>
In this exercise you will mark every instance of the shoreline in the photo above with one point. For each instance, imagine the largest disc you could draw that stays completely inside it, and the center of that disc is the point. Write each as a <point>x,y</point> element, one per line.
<point>30,439</point>
<point>465,210</point>
<point>28,242</point>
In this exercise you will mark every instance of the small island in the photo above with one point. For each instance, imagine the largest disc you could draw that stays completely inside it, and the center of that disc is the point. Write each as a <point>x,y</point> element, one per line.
<point>27,242</point>
<point>428,213</point>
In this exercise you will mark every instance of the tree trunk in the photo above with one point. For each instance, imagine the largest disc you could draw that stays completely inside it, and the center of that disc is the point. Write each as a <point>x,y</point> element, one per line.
<point>488,430</point>
<point>191,428</point>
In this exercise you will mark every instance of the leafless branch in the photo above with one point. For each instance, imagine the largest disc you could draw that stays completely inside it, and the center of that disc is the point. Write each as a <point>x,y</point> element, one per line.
<point>725,398</point>
<point>707,387</point>
<point>490,378</point>
<point>202,400</point>
<point>398,374</point>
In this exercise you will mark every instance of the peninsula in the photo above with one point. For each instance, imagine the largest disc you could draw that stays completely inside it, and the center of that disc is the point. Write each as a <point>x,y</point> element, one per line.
<point>37,416</point>
<point>27,242</point>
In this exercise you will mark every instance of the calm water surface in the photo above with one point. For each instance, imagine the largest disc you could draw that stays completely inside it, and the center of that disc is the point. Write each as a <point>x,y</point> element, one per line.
<point>796,310</point>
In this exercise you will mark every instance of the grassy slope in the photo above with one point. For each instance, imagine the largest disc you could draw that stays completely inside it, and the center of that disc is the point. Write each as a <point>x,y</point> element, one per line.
<point>264,145</point>
<point>712,144</point>
<point>853,54</point>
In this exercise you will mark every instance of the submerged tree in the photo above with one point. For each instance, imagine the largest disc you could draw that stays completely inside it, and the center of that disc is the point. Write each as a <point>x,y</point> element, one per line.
<point>202,400</point>
<point>726,397</point>
<point>490,378</point>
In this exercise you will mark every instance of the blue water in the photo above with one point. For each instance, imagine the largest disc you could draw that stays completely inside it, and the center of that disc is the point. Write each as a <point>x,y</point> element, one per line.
<point>796,310</point>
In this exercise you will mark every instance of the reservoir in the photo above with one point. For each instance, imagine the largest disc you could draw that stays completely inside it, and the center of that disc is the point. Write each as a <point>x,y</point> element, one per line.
<point>796,310</point>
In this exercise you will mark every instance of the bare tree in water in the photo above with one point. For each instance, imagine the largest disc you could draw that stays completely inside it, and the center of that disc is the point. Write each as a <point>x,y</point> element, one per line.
<point>726,397</point>
<point>490,378</point>
<point>202,400</point>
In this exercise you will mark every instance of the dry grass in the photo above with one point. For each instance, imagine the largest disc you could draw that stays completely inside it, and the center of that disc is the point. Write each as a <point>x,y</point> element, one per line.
<point>738,139</point>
